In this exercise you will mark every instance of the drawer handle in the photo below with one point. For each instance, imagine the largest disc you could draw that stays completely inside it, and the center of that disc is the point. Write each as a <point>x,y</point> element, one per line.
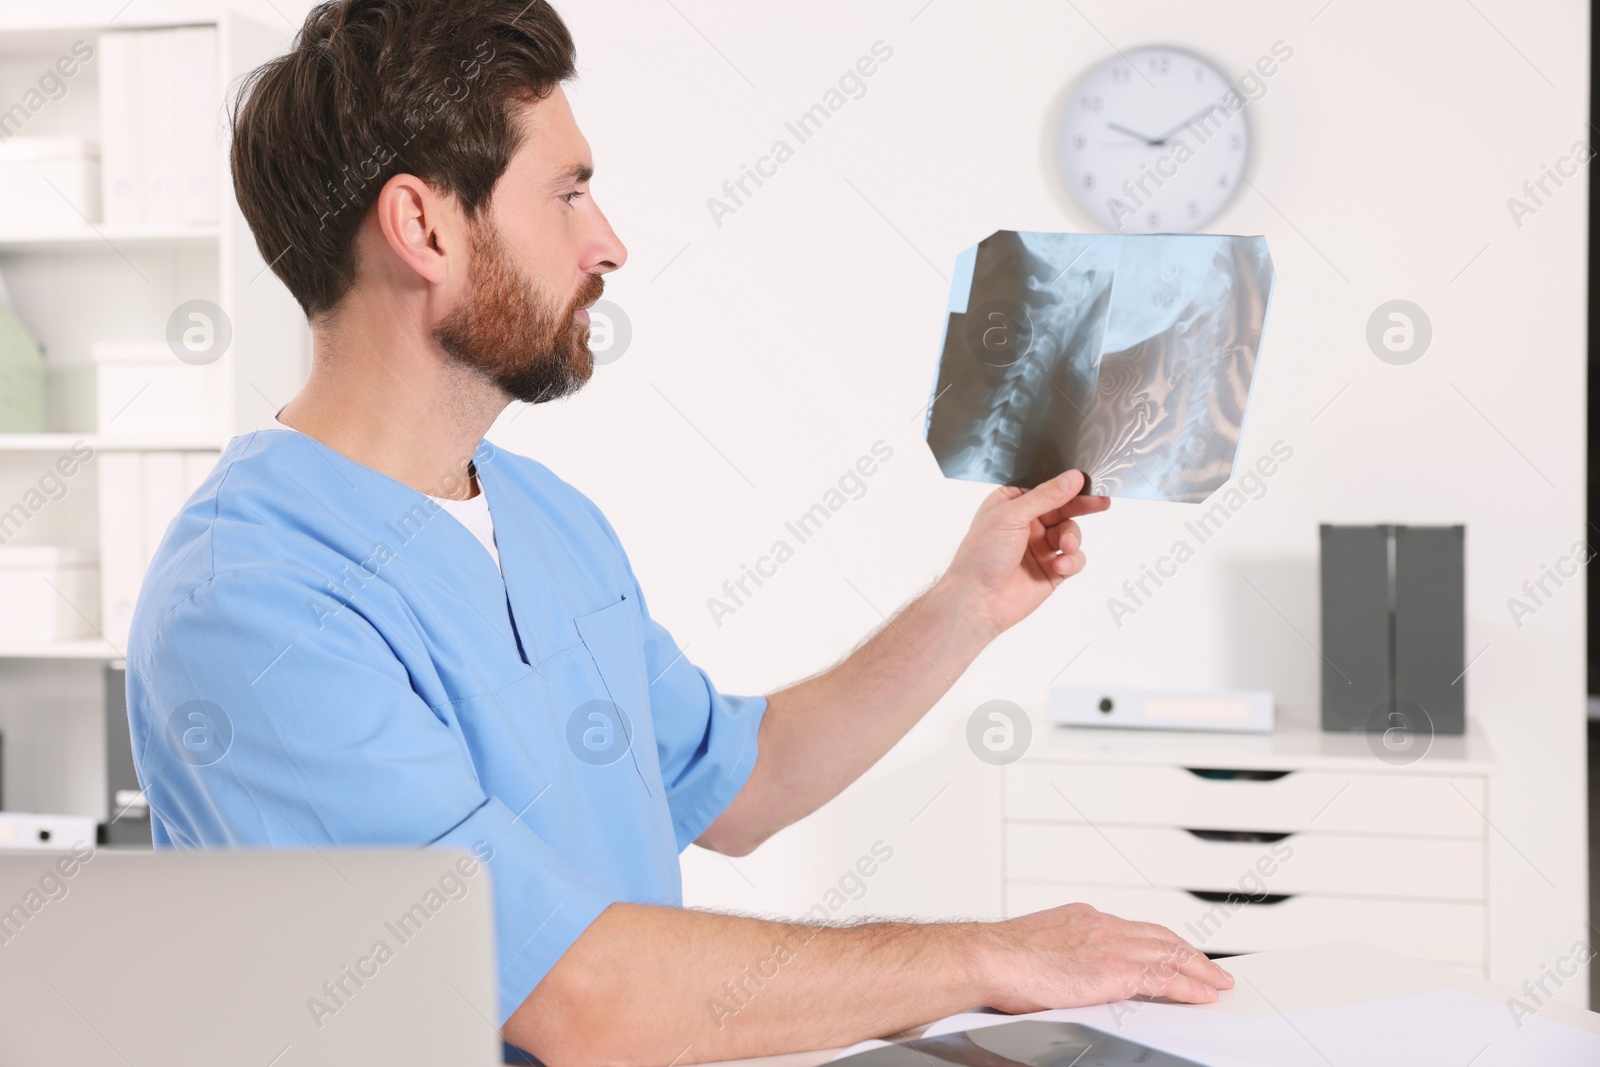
<point>1211,896</point>
<point>1253,837</point>
<point>1229,774</point>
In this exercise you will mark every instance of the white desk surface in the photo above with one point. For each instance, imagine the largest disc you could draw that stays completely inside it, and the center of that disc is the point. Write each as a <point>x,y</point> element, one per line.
<point>1322,976</point>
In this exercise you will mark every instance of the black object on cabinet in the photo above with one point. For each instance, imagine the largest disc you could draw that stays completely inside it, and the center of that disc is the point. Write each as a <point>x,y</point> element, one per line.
<point>1393,627</point>
<point>129,816</point>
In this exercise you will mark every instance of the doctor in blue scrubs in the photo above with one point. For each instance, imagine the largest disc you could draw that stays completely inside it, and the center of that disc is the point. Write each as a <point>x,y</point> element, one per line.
<point>372,626</point>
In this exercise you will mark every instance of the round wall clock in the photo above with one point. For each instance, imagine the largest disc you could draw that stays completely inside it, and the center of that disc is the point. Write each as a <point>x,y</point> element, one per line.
<point>1153,140</point>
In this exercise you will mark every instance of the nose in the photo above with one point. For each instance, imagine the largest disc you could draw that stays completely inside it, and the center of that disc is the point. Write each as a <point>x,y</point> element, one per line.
<point>606,251</point>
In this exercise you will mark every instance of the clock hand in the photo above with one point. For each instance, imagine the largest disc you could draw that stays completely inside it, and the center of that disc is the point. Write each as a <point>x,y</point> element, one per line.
<point>1203,111</point>
<point>1131,133</point>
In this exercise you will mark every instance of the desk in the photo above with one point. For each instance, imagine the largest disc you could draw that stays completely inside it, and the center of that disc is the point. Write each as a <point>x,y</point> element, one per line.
<point>1301,979</point>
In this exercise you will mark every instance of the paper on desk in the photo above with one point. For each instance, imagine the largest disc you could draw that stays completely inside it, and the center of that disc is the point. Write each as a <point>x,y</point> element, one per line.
<point>1442,1027</point>
<point>1129,358</point>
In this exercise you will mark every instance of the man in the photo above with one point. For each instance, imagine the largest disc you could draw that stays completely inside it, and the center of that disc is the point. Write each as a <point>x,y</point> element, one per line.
<point>369,626</point>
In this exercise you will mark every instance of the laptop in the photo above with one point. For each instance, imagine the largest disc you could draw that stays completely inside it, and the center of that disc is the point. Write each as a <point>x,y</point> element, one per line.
<point>270,958</point>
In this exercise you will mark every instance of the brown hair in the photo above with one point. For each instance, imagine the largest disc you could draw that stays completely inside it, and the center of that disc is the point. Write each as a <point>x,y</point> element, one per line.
<point>375,88</point>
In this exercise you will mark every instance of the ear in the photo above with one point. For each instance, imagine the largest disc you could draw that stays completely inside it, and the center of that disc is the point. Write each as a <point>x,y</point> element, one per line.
<point>423,228</point>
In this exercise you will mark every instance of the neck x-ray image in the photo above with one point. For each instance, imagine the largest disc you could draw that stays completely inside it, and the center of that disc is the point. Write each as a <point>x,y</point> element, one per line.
<point>1022,1043</point>
<point>1128,358</point>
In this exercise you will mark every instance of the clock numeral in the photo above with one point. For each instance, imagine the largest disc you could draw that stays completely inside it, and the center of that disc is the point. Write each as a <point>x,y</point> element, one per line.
<point>1079,143</point>
<point>1194,209</point>
<point>1091,102</point>
<point>1160,64</point>
<point>1222,180</point>
<point>1155,220</point>
<point>1199,74</point>
<point>1233,146</point>
<point>1121,74</point>
<point>1088,181</point>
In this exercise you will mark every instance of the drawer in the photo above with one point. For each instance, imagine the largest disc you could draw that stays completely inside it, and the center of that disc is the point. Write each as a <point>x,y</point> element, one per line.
<point>1376,803</point>
<point>1452,933</point>
<point>1434,868</point>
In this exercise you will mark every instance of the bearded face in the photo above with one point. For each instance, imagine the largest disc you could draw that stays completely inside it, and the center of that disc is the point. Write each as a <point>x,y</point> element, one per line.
<point>529,343</point>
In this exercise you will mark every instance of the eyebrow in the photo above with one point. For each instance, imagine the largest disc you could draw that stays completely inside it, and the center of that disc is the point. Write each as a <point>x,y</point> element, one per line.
<point>578,172</point>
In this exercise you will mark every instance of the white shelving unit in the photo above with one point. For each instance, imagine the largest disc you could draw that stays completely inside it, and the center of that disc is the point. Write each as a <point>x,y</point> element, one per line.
<point>76,285</point>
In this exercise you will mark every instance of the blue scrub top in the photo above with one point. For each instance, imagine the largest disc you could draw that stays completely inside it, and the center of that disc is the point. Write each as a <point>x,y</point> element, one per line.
<point>323,656</point>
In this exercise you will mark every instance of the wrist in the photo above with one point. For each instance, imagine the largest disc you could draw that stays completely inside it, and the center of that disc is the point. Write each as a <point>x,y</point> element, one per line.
<point>983,962</point>
<point>964,612</point>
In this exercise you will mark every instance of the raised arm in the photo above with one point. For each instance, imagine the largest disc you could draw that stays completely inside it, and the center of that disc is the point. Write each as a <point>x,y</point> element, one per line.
<point>821,734</point>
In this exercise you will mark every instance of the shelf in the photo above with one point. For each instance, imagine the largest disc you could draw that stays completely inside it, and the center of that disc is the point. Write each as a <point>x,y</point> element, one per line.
<point>64,442</point>
<point>84,237</point>
<point>87,648</point>
<point>26,31</point>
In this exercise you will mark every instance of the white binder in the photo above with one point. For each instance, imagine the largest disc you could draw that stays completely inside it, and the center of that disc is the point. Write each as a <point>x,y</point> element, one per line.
<point>122,191</point>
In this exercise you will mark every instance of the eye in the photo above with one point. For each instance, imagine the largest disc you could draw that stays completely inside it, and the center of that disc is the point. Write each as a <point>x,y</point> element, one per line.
<point>570,197</point>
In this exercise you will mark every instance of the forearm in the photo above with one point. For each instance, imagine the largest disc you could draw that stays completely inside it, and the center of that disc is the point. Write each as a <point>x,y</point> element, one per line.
<point>656,985</point>
<point>821,734</point>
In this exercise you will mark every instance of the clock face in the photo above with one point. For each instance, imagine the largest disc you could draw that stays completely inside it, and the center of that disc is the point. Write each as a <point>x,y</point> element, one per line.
<point>1154,140</point>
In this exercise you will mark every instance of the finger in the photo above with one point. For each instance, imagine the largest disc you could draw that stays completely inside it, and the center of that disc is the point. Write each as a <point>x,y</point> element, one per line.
<point>1161,933</point>
<point>1058,568</point>
<point>1078,505</point>
<point>1184,955</point>
<point>1043,553</point>
<point>1182,987</point>
<point>1194,963</point>
<point>1001,495</point>
<point>1173,969</point>
<point>1044,498</point>
<point>1152,966</point>
<point>1064,536</point>
<point>1068,565</point>
<point>1055,565</point>
<point>1206,970</point>
<point>1191,960</point>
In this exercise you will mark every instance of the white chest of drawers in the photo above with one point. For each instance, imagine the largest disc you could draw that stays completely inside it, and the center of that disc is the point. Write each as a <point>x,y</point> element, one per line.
<point>1246,843</point>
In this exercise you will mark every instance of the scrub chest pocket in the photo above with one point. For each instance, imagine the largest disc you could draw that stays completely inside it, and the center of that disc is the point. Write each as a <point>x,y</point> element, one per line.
<point>615,721</point>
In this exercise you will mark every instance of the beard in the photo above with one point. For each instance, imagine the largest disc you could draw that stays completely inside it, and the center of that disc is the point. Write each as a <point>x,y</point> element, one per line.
<point>511,334</point>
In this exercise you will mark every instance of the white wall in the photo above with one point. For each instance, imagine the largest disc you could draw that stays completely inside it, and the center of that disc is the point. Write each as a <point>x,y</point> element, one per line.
<point>769,353</point>
<point>806,327</point>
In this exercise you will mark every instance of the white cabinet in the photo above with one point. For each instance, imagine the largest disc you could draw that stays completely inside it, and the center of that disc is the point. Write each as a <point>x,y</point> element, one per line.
<point>1249,843</point>
<point>141,492</point>
<point>111,471</point>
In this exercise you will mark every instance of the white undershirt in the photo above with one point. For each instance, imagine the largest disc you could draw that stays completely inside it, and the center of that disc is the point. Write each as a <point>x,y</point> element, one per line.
<point>472,513</point>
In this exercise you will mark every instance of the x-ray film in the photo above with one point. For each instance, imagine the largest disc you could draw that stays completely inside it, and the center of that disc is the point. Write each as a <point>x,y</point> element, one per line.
<point>1128,358</point>
<point>1022,1043</point>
